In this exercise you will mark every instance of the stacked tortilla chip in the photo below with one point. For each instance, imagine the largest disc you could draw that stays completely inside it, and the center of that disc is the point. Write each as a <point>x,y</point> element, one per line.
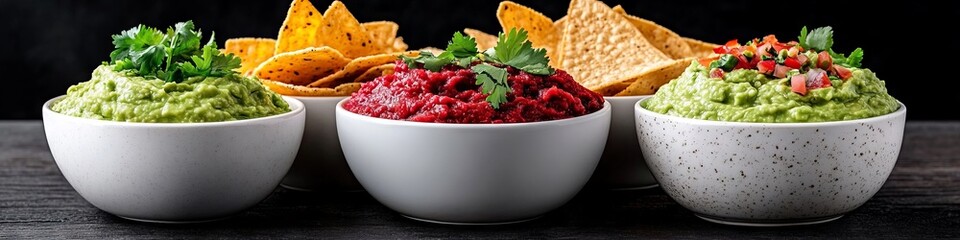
<point>316,54</point>
<point>605,49</point>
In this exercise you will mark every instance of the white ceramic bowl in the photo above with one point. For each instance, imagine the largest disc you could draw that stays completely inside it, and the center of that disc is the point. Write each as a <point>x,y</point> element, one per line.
<point>770,174</point>
<point>174,172</point>
<point>320,165</point>
<point>622,166</point>
<point>472,173</point>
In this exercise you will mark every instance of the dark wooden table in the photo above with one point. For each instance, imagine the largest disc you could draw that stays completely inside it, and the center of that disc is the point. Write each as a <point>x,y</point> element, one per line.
<point>920,200</point>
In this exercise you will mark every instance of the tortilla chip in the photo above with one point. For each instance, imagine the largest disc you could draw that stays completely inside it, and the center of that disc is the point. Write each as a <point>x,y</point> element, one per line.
<point>664,39</point>
<point>347,88</point>
<point>251,51</point>
<point>484,40</point>
<point>357,67</point>
<point>651,80</point>
<point>398,45</point>
<point>295,90</point>
<point>375,72</point>
<point>559,24</point>
<point>343,32</point>
<point>301,28</point>
<point>435,51</point>
<point>302,66</point>
<point>600,47</point>
<point>382,33</point>
<point>613,89</point>
<point>540,30</point>
<point>700,48</point>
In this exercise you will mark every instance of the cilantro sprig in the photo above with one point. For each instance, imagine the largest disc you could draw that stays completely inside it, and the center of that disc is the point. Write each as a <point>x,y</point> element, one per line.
<point>172,56</point>
<point>513,49</point>
<point>821,39</point>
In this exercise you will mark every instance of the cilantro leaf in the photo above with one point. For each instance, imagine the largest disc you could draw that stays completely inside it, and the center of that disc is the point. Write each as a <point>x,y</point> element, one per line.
<point>803,38</point>
<point>852,61</point>
<point>513,49</point>
<point>429,61</point>
<point>855,58</point>
<point>210,63</point>
<point>172,56</point>
<point>138,49</point>
<point>493,82</point>
<point>820,39</point>
<point>461,46</point>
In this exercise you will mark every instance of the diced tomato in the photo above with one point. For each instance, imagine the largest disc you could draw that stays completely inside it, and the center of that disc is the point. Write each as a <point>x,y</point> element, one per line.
<point>707,60</point>
<point>842,72</point>
<point>732,43</point>
<point>754,61</point>
<point>780,46</point>
<point>770,39</point>
<point>721,50</point>
<point>780,71</point>
<point>792,62</point>
<point>766,66</point>
<point>802,59</point>
<point>764,50</point>
<point>825,81</point>
<point>716,73</point>
<point>798,84</point>
<point>824,61</point>
<point>742,63</point>
<point>817,78</point>
<point>735,51</point>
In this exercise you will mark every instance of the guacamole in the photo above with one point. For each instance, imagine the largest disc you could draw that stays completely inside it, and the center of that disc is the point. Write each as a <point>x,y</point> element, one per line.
<point>123,96</point>
<point>746,95</point>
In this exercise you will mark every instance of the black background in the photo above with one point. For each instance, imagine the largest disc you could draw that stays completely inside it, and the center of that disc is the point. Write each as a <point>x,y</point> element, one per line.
<point>48,45</point>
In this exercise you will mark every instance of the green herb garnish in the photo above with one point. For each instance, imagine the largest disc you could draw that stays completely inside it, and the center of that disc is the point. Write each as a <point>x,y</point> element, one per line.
<point>172,56</point>
<point>513,49</point>
<point>821,39</point>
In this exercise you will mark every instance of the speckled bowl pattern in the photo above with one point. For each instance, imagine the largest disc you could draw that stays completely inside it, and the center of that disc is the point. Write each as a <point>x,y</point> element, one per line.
<point>622,166</point>
<point>472,174</point>
<point>174,172</point>
<point>770,174</point>
<point>320,165</point>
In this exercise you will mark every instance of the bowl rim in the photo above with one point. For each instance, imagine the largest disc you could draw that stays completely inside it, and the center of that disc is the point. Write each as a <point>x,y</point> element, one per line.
<point>391,122</point>
<point>315,97</point>
<point>629,97</point>
<point>640,110</point>
<point>296,108</point>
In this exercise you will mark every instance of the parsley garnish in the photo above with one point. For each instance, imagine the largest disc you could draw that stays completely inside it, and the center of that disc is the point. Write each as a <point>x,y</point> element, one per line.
<point>492,81</point>
<point>513,49</point>
<point>821,39</point>
<point>172,56</point>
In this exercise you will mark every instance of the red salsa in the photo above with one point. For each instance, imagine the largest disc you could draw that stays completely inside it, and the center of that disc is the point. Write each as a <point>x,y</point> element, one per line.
<point>451,95</point>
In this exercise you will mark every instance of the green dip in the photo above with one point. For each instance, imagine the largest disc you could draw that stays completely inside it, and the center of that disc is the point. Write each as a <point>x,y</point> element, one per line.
<point>123,96</point>
<point>745,95</point>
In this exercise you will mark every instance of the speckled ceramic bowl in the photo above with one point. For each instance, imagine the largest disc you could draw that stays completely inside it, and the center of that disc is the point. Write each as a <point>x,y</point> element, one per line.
<point>472,174</point>
<point>320,165</point>
<point>770,174</point>
<point>174,172</point>
<point>622,166</point>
